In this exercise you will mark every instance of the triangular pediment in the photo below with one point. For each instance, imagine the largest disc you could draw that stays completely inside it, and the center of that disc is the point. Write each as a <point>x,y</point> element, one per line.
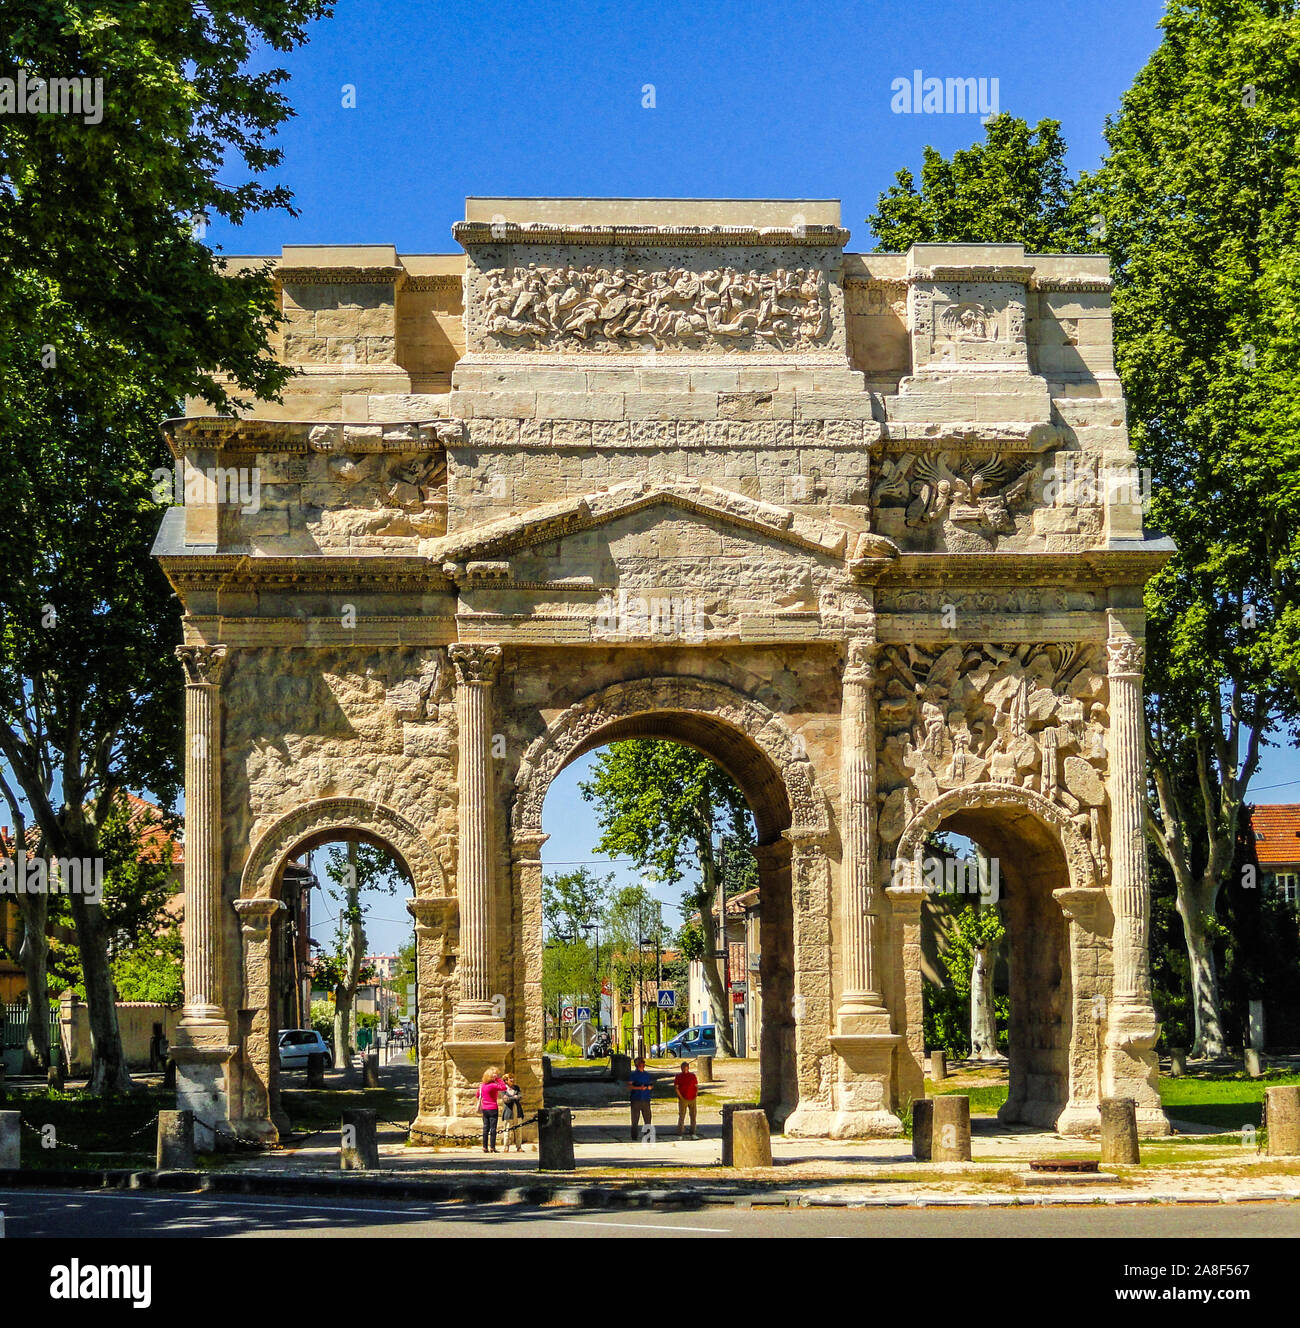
<point>607,507</point>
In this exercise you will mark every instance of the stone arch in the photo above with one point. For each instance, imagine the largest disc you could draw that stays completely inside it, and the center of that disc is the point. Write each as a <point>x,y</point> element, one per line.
<point>750,741</point>
<point>1079,860</point>
<point>324,819</point>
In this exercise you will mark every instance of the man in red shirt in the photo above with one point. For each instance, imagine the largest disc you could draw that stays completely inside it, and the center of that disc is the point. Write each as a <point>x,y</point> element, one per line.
<point>687,1086</point>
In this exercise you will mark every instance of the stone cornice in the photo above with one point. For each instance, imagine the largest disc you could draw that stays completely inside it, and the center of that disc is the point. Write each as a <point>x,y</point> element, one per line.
<point>1018,273</point>
<point>234,570</point>
<point>435,281</point>
<point>297,437</point>
<point>343,276</point>
<point>469,233</point>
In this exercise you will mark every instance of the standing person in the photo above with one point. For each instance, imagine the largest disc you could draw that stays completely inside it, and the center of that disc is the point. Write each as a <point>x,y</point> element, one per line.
<point>638,1083</point>
<point>688,1087</point>
<point>488,1092</point>
<point>512,1111</point>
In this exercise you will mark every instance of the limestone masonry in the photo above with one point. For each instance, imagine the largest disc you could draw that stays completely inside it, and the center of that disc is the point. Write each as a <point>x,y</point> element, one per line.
<point>864,528</point>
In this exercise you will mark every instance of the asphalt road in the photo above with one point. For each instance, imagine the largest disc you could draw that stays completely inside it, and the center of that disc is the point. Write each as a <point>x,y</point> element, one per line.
<point>64,1214</point>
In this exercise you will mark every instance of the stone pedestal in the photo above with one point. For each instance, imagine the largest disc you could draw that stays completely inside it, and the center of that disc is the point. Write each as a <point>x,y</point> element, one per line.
<point>1282,1116</point>
<point>202,1081</point>
<point>863,1093</point>
<point>1119,1132</point>
<point>951,1130</point>
<point>175,1141</point>
<point>10,1139</point>
<point>751,1140</point>
<point>359,1141</point>
<point>555,1139</point>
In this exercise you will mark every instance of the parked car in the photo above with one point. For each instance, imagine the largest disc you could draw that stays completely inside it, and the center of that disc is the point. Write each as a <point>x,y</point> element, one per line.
<point>296,1044</point>
<point>698,1040</point>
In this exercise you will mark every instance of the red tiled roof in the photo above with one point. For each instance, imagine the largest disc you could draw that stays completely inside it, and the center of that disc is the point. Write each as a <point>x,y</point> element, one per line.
<point>1277,834</point>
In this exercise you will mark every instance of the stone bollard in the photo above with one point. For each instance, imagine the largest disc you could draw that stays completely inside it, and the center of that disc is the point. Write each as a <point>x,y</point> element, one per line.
<point>1254,1063</point>
<point>54,1079</point>
<point>359,1145</point>
<point>1119,1132</point>
<point>620,1067</point>
<point>704,1069</point>
<point>751,1140</point>
<point>922,1129</point>
<point>1282,1117</point>
<point>11,1137</point>
<point>950,1137</point>
<point>555,1139</point>
<point>370,1070</point>
<point>548,1074</point>
<point>729,1110</point>
<point>1177,1062</point>
<point>169,1075</point>
<point>315,1070</point>
<point>938,1067</point>
<point>175,1141</point>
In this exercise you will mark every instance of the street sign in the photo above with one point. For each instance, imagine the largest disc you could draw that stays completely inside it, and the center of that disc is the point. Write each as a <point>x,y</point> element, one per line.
<point>605,988</point>
<point>582,1013</point>
<point>566,1014</point>
<point>667,999</point>
<point>737,998</point>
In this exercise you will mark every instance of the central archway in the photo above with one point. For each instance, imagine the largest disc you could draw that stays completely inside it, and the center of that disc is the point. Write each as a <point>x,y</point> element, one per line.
<point>769,763</point>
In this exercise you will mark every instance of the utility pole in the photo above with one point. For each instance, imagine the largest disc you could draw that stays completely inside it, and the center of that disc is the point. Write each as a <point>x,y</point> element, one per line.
<point>659,972</point>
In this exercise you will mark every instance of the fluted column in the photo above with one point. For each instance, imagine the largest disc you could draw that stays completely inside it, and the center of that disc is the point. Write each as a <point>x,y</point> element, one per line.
<point>476,669</point>
<point>861,1002</point>
<point>203,667</point>
<point>1130,887</point>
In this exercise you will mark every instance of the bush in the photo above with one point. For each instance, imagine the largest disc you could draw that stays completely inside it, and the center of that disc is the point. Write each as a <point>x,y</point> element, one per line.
<point>566,1050</point>
<point>322,1020</point>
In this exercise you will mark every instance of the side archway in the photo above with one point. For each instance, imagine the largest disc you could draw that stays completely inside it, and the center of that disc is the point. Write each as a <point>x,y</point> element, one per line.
<point>966,802</point>
<point>317,822</point>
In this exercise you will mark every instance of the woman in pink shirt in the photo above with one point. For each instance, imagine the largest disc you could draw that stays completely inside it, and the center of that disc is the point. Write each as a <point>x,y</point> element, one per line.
<point>488,1091</point>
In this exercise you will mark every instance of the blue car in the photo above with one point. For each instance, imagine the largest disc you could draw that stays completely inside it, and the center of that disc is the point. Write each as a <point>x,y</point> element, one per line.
<point>699,1040</point>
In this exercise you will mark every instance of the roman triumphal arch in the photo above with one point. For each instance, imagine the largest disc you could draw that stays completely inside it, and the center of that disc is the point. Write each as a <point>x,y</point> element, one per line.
<point>864,528</point>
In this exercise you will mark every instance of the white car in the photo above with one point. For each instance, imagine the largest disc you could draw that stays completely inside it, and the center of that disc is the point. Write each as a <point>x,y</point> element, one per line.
<point>296,1044</point>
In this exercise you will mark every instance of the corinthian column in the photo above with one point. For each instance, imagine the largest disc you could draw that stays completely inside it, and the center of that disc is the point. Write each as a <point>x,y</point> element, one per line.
<point>476,668</point>
<point>1130,888</point>
<point>203,667</point>
<point>861,1007</point>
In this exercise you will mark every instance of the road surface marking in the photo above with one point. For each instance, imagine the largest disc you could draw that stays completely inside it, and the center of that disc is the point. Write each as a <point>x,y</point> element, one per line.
<point>648,1226</point>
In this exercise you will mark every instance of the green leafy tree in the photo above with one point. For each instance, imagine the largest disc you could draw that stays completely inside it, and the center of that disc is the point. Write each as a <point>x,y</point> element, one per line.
<point>664,805</point>
<point>112,311</point>
<point>351,871</point>
<point>1013,187</point>
<point>573,906</point>
<point>1199,195</point>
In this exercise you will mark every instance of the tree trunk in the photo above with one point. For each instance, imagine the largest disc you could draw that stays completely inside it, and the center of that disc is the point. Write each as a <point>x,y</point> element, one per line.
<point>983,1013</point>
<point>108,1071</point>
<point>33,954</point>
<point>354,949</point>
<point>1207,1029</point>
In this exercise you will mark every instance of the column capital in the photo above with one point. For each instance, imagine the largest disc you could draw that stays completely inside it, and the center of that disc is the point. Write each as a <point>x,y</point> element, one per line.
<point>475,664</point>
<point>860,659</point>
<point>256,914</point>
<point>1125,657</point>
<point>203,665</point>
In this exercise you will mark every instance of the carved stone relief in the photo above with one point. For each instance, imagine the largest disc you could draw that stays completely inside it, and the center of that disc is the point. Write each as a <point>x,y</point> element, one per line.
<point>611,309</point>
<point>1032,716</point>
<point>962,505</point>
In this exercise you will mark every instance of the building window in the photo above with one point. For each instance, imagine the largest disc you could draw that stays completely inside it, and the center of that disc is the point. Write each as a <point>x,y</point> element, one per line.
<point>1286,885</point>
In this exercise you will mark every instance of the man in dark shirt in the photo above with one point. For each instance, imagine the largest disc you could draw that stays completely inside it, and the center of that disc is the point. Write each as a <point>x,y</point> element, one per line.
<point>638,1083</point>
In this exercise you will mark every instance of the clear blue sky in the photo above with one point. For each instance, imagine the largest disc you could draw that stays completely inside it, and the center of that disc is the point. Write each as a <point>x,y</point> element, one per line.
<point>751,100</point>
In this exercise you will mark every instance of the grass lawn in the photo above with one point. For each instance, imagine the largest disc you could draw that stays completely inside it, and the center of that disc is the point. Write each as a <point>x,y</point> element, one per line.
<point>985,1099</point>
<point>1222,1100</point>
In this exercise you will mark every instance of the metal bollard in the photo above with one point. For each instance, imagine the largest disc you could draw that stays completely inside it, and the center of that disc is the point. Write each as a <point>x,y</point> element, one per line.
<point>359,1144</point>
<point>555,1139</point>
<point>1119,1132</point>
<point>175,1141</point>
